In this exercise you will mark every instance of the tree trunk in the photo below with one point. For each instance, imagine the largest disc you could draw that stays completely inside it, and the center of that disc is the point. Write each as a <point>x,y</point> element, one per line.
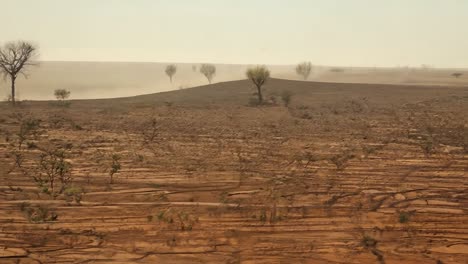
<point>13,80</point>
<point>260,96</point>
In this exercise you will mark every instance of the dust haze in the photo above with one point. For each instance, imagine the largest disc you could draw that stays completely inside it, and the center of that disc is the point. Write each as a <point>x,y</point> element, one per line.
<point>92,80</point>
<point>234,132</point>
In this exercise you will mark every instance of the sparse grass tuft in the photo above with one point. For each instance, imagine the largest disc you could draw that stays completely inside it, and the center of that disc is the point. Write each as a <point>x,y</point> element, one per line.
<point>368,241</point>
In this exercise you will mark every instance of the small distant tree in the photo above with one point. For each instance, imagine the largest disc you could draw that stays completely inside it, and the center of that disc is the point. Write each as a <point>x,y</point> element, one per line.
<point>115,166</point>
<point>258,75</point>
<point>457,74</point>
<point>286,97</point>
<point>209,70</point>
<point>304,69</point>
<point>15,57</point>
<point>54,168</point>
<point>61,94</point>
<point>171,70</point>
<point>337,70</point>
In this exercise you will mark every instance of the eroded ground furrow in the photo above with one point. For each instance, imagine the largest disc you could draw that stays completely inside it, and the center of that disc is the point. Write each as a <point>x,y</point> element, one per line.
<point>169,184</point>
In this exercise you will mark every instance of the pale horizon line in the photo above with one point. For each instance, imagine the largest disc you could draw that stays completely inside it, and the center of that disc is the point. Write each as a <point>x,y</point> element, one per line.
<point>430,67</point>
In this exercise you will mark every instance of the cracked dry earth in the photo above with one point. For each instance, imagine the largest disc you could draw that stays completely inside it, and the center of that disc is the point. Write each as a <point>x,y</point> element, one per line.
<point>349,181</point>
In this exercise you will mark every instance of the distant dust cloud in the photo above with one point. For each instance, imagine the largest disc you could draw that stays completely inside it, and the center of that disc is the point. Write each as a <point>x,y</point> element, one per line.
<point>90,80</point>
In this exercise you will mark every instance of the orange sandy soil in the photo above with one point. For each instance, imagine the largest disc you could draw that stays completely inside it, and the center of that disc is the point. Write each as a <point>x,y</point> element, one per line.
<point>348,173</point>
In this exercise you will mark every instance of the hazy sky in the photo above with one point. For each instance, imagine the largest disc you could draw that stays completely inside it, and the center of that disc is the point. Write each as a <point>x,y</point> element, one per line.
<point>327,32</point>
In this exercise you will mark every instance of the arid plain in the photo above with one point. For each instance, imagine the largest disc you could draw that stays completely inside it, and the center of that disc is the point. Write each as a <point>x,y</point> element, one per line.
<point>367,166</point>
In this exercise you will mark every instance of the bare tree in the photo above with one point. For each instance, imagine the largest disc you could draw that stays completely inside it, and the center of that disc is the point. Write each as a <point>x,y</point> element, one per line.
<point>258,76</point>
<point>15,57</point>
<point>304,69</point>
<point>209,70</point>
<point>171,70</point>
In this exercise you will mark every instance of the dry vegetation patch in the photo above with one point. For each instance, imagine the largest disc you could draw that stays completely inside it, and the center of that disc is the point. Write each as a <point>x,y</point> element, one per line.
<point>348,180</point>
